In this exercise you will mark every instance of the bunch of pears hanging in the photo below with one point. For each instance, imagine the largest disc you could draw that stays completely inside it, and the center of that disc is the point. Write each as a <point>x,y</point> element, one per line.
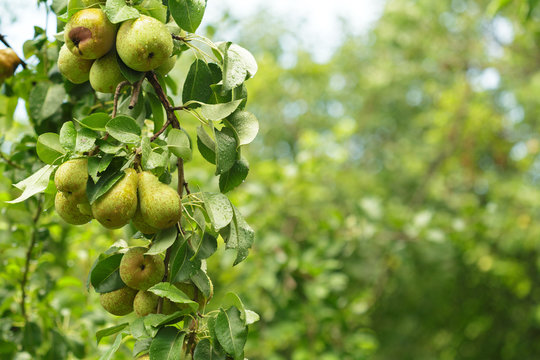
<point>92,44</point>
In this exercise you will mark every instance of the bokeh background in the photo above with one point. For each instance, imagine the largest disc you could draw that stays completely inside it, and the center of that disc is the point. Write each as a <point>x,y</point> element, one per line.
<point>394,187</point>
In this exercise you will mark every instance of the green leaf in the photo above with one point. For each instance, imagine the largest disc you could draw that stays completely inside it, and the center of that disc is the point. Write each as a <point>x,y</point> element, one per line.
<point>179,144</point>
<point>216,112</point>
<point>131,75</point>
<point>141,346</point>
<point>238,235</point>
<point>182,267</point>
<point>234,176</point>
<point>198,81</point>
<point>207,247</point>
<point>171,292</point>
<point>95,121</point>
<point>155,9</point>
<point>206,145</point>
<point>251,317</point>
<point>137,329</point>
<point>105,276</point>
<point>68,136</point>
<point>163,240</point>
<point>97,165</point>
<point>48,148</point>
<point>226,150</point>
<point>86,140</point>
<point>158,113</point>
<point>45,99</point>
<point>125,129</point>
<point>100,334</point>
<point>245,126</point>
<point>188,14</point>
<point>206,351</point>
<point>238,65</point>
<point>106,181</point>
<point>33,184</point>
<point>117,11</point>
<point>219,209</point>
<point>203,283</point>
<point>167,345</point>
<point>114,347</point>
<point>231,332</point>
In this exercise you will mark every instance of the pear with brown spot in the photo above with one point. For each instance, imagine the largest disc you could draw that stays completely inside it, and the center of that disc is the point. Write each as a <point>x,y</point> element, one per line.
<point>89,34</point>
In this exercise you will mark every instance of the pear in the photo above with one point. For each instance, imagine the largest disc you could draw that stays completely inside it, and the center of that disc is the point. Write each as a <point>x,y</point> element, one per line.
<point>140,271</point>
<point>73,68</point>
<point>85,207</point>
<point>66,206</point>
<point>71,176</point>
<point>105,74</point>
<point>117,206</point>
<point>89,34</point>
<point>167,66</point>
<point>118,302</point>
<point>141,225</point>
<point>160,204</point>
<point>192,292</point>
<point>144,43</point>
<point>146,303</point>
<point>8,63</point>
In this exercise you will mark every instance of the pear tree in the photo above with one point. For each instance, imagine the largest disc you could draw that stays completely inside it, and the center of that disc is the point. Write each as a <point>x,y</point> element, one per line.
<point>117,134</point>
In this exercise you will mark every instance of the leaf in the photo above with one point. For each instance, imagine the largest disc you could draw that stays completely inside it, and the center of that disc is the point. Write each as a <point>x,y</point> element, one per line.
<point>100,334</point>
<point>188,14</point>
<point>179,144</point>
<point>231,332</point>
<point>163,240</point>
<point>95,121</point>
<point>105,276</point>
<point>48,148</point>
<point>114,347</point>
<point>131,75</point>
<point>232,299</point>
<point>68,136</point>
<point>45,99</point>
<point>225,150</point>
<point>205,351</point>
<point>251,317</point>
<point>155,9</point>
<point>158,114</point>
<point>181,265</point>
<point>206,145</point>
<point>234,176</point>
<point>117,11</point>
<point>167,345</point>
<point>141,345</point>
<point>125,129</point>
<point>219,209</point>
<point>198,81</point>
<point>238,65</point>
<point>171,292</point>
<point>203,283</point>
<point>86,140</point>
<point>217,112</point>
<point>245,126</point>
<point>208,246</point>
<point>238,235</point>
<point>97,165</point>
<point>106,181</point>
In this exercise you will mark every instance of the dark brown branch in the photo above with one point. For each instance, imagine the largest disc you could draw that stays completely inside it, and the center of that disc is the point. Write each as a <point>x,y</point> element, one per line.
<point>178,108</point>
<point>135,94</point>
<point>4,41</point>
<point>163,128</point>
<point>117,95</point>
<point>181,38</point>
<point>24,279</point>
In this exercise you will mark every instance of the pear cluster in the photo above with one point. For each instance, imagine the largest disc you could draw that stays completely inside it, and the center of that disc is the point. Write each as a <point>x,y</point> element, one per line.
<point>137,197</point>
<point>92,44</point>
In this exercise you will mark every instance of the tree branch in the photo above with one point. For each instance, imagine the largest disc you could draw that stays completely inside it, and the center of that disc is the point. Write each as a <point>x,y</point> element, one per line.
<point>117,95</point>
<point>4,41</point>
<point>24,279</point>
<point>135,94</point>
<point>163,128</point>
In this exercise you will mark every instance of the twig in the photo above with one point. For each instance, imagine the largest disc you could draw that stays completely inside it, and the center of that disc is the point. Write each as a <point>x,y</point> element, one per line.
<point>117,95</point>
<point>4,41</point>
<point>135,94</point>
<point>163,128</point>
<point>28,257</point>
<point>178,108</point>
<point>181,38</point>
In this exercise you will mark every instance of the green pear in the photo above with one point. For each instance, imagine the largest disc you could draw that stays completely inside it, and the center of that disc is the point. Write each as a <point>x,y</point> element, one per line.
<point>117,206</point>
<point>105,74</point>
<point>73,68</point>
<point>92,3</point>
<point>192,292</point>
<point>66,206</point>
<point>146,303</point>
<point>144,43</point>
<point>118,302</point>
<point>71,176</point>
<point>160,204</point>
<point>85,208</point>
<point>167,66</point>
<point>89,34</point>
<point>140,271</point>
<point>141,225</point>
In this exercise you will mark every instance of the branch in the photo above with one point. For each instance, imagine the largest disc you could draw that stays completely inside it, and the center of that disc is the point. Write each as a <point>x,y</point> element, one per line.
<point>24,279</point>
<point>163,128</point>
<point>4,41</point>
<point>117,95</point>
<point>135,94</point>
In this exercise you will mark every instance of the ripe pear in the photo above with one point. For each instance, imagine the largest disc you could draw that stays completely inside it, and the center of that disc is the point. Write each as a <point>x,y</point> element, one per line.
<point>105,74</point>
<point>167,66</point>
<point>118,302</point>
<point>8,63</point>
<point>89,34</point>
<point>66,206</point>
<point>144,43</point>
<point>117,206</point>
<point>160,204</point>
<point>146,303</point>
<point>71,176</point>
<point>141,225</point>
<point>140,271</point>
<point>73,68</point>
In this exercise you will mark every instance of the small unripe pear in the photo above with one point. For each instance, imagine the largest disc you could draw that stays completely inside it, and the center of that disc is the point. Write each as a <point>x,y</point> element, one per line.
<point>89,34</point>
<point>146,303</point>
<point>71,176</point>
<point>159,203</point>
<point>144,43</point>
<point>141,225</point>
<point>118,302</point>
<point>8,63</point>
<point>167,66</point>
<point>66,206</point>
<point>117,206</point>
<point>105,74</point>
<point>74,68</point>
<point>140,271</point>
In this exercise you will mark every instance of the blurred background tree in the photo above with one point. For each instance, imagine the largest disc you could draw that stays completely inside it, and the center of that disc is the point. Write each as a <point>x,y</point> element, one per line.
<point>393,189</point>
